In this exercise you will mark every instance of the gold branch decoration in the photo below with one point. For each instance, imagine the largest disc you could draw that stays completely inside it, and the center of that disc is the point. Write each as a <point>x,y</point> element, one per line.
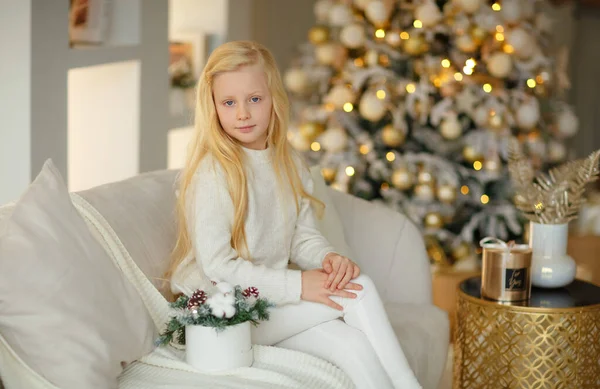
<point>554,197</point>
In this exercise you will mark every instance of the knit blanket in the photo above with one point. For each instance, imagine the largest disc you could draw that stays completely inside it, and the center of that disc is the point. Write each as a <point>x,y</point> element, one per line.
<point>273,367</point>
<point>165,367</point>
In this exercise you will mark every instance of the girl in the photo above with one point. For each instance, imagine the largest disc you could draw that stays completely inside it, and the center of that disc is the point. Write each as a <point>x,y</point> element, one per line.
<point>244,210</point>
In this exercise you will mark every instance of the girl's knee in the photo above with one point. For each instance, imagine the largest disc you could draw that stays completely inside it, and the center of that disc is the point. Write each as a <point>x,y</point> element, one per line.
<point>367,285</point>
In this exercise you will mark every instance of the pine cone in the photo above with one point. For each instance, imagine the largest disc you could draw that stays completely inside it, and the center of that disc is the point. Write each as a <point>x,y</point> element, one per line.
<point>251,291</point>
<point>198,298</point>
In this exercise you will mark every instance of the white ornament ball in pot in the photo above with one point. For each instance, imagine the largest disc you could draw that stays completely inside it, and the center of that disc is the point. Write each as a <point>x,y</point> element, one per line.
<point>371,107</point>
<point>469,6</point>
<point>296,80</point>
<point>567,123</point>
<point>334,139</point>
<point>340,15</point>
<point>340,95</point>
<point>499,64</point>
<point>528,115</point>
<point>353,36</point>
<point>377,12</point>
<point>429,14</point>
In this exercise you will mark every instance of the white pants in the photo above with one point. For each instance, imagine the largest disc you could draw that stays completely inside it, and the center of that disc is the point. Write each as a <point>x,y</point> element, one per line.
<point>365,335</point>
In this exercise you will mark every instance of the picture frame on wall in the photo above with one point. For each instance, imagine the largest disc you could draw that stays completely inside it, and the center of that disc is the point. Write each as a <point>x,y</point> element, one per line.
<point>89,21</point>
<point>186,58</point>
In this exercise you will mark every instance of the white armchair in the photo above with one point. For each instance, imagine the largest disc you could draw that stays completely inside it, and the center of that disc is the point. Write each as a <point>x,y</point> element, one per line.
<point>385,244</point>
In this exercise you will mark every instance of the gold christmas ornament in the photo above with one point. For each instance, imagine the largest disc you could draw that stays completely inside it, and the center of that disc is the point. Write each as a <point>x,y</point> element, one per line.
<point>415,45</point>
<point>298,141</point>
<point>393,38</point>
<point>318,35</point>
<point>425,192</point>
<point>499,64</point>
<point>391,136</point>
<point>402,178</point>
<point>429,14</point>
<point>451,128</point>
<point>435,252</point>
<point>296,80</point>
<point>339,95</point>
<point>447,193</point>
<point>372,58</point>
<point>372,107</point>
<point>433,220</point>
<point>466,44</point>
<point>353,36</point>
<point>425,177</point>
<point>478,35</point>
<point>335,139</point>
<point>328,174</point>
<point>340,15</point>
<point>311,130</point>
<point>377,12</point>
<point>470,154</point>
<point>461,251</point>
<point>332,54</point>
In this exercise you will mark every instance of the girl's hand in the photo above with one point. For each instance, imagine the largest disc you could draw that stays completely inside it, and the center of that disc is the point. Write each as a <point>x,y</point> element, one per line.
<point>340,269</point>
<point>313,289</point>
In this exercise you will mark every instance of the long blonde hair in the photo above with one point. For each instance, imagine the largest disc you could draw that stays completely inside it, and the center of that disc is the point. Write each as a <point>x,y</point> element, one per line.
<point>210,138</point>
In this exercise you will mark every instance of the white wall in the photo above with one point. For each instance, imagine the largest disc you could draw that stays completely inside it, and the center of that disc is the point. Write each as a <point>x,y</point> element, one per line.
<point>209,16</point>
<point>15,98</point>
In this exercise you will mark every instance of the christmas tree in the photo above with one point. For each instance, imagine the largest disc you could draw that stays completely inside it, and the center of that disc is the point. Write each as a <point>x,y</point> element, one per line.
<point>413,103</point>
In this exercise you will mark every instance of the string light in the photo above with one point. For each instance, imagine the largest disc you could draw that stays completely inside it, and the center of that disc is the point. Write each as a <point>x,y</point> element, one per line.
<point>464,190</point>
<point>363,149</point>
<point>499,28</point>
<point>437,82</point>
<point>531,83</point>
<point>467,70</point>
<point>487,88</point>
<point>380,33</point>
<point>385,186</point>
<point>348,107</point>
<point>458,76</point>
<point>410,88</point>
<point>508,49</point>
<point>446,63</point>
<point>359,62</point>
<point>471,63</point>
<point>380,94</point>
<point>496,7</point>
<point>499,37</point>
<point>539,79</point>
<point>418,24</point>
<point>315,146</point>
<point>349,171</point>
<point>477,165</point>
<point>390,156</point>
<point>485,199</point>
<point>404,35</point>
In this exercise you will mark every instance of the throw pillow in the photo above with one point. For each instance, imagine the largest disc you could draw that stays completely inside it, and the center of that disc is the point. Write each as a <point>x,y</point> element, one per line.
<point>65,308</point>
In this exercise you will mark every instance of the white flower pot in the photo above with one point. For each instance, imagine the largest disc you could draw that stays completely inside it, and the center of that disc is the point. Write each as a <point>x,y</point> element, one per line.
<point>551,267</point>
<point>210,351</point>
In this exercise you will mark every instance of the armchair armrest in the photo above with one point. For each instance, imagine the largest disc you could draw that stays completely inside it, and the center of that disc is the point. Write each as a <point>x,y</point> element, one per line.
<point>388,247</point>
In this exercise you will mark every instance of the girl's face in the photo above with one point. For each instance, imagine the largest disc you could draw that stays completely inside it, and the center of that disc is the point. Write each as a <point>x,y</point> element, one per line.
<point>243,103</point>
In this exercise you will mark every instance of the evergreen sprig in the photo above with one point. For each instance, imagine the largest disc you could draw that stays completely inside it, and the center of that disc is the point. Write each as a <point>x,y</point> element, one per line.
<point>249,309</point>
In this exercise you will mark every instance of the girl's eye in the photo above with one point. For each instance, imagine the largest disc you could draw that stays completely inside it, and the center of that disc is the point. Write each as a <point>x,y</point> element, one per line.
<point>255,99</point>
<point>229,103</point>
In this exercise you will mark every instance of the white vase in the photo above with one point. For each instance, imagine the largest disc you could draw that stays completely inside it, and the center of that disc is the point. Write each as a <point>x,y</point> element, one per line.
<point>551,267</point>
<point>210,351</point>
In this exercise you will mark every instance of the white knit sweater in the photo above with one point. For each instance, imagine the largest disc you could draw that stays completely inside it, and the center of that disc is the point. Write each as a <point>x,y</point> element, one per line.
<point>275,233</point>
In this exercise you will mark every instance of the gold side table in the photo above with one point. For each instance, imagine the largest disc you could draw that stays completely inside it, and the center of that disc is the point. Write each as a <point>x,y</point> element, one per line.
<point>551,341</point>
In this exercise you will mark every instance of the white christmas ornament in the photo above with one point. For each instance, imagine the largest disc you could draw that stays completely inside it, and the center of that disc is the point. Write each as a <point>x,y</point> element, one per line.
<point>296,80</point>
<point>521,41</point>
<point>298,142</point>
<point>499,65</point>
<point>371,107</point>
<point>327,53</point>
<point>429,14</point>
<point>557,152</point>
<point>424,192</point>
<point>334,139</point>
<point>340,95</point>
<point>361,4</point>
<point>340,15</point>
<point>481,116</point>
<point>466,44</point>
<point>353,36</point>
<point>377,12</point>
<point>512,11</point>
<point>322,8</point>
<point>567,123</point>
<point>528,114</point>
<point>450,128</point>
<point>470,6</point>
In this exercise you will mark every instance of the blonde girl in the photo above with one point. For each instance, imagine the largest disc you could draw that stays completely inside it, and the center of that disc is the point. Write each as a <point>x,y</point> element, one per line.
<point>244,212</point>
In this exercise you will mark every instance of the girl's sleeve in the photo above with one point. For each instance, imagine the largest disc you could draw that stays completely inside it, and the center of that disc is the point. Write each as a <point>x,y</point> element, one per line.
<point>213,212</point>
<point>309,246</point>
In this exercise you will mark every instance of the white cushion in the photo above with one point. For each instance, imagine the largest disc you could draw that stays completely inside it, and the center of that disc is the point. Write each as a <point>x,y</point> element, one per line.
<point>65,308</point>
<point>329,224</point>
